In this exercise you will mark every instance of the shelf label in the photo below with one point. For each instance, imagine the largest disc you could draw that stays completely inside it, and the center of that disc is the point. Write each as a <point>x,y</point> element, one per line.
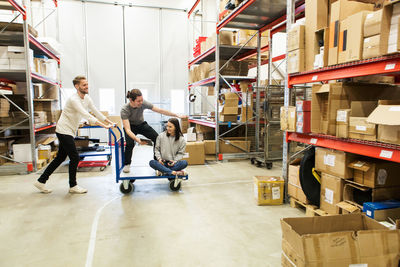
<point>390,66</point>
<point>313,141</point>
<point>329,160</point>
<point>386,154</point>
<point>361,128</point>
<point>314,78</point>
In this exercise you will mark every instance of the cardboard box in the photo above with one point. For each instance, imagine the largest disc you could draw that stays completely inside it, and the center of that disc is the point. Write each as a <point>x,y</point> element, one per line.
<point>359,128</point>
<point>184,123</point>
<point>190,136</point>
<point>351,39</point>
<point>375,79</point>
<point>382,211</point>
<point>340,10</point>
<point>314,50</point>
<point>358,194</point>
<point>296,61</point>
<point>296,38</point>
<point>230,104</point>
<point>316,14</point>
<point>334,162</point>
<point>342,123</point>
<point>374,47</point>
<point>288,118</point>
<point>387,117</point>
<point>228,146</point>
<point>341,240</point>
<point>376,173</point>
<point>22,152</point>
<point>194,154</point>
<point>347,208</point>
<point>294,186</point>
<point>331,193</point>
<point>378,22</point>
<point>226,37</point>
<point>50,107</point>
<point>327,99</point>
<point>233,68</point>
<point>268,190</point>
<point>44,152</point>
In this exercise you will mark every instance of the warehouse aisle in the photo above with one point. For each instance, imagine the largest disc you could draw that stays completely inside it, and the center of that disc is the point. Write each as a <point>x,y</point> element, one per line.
<point>214,221</point>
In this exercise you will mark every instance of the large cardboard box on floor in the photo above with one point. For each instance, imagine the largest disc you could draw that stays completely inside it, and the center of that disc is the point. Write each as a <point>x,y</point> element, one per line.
<point>334,162</point>
<point>295,60</point>
<point>288,118</point>
<point>341,240</point>
<point>351,38</point>
<point>331,193</point>
<point>387,117</point>
<point>376,173</point>
<point>342,123</point>
<point>268,190</point>
<point>327,99</point>
<point>340,10</point>
<point>194,154</point>
<point>359,128</point>
<point>294,186</point>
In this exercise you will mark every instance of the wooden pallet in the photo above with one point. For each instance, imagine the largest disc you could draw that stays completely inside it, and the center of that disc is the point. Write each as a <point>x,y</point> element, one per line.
<point>310,210</point>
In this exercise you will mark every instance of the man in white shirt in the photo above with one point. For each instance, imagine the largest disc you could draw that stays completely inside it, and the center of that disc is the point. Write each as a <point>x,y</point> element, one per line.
<point>75,109</point>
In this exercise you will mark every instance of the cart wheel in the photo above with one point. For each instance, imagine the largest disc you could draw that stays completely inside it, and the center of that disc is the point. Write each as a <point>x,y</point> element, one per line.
<point>132,181</point>
<point>269,165</point>
<point>253,161</point>
<point>259,164</point>
<point>172,186</point>
<point>102,168</point>
<point>128,190</point>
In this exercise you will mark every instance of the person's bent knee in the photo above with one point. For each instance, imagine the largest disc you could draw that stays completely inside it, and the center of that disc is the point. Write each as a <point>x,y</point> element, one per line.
<point>184,163</point>
<point>153,163</point>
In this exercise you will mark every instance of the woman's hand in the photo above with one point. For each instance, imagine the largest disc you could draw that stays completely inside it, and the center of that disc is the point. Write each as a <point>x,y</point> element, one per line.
<point>161,161</point>
<point>140,141</point>
<point>171,163</point>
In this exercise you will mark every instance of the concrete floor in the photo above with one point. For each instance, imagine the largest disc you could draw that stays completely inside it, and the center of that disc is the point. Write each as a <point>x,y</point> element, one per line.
<point>213,221</point>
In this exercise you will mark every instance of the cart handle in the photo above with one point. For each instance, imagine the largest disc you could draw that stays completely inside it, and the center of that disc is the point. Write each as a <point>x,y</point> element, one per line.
<point>113,134</point>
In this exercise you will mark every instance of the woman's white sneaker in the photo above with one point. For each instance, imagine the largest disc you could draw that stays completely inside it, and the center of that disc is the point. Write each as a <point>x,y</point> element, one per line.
<point>42,187</point>
<point>77,190</point>
<point>127,169</point>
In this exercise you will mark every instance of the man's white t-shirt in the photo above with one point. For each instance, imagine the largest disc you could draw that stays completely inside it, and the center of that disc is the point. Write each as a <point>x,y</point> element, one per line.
<point>74,111</point>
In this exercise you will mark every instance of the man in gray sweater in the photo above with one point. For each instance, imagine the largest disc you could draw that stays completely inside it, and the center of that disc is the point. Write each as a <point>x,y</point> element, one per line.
<point>169,150</point>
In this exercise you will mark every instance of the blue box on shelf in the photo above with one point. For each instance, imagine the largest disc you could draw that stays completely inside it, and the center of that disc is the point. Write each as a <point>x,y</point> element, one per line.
<point>380,211</point>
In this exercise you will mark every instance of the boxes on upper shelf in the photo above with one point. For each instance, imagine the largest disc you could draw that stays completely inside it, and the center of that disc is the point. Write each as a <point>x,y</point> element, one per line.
<point>382,211</point>
<point>359,128</point>
<point>295,61</point>
<point>296,38</point>
<point>342,123</point>
<point>233,68</point>
<point>288,118</point>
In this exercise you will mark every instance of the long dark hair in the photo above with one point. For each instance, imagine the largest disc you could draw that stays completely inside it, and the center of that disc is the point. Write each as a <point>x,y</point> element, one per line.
<point>133,94</point>
<point>178,132</point>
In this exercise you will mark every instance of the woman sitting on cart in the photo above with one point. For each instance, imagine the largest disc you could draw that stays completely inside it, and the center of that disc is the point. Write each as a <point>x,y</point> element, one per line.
<point>169,151</point>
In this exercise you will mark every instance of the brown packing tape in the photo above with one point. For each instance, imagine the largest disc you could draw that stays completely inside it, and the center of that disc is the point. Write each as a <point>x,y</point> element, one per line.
<point>317,248</point>
<point>352,245</point>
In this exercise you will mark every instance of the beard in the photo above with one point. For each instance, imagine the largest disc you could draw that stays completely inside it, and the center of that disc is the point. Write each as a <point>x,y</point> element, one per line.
<point>83,91</point>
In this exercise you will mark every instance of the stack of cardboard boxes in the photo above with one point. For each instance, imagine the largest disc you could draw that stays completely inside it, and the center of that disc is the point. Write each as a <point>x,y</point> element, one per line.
<point>296,46</point>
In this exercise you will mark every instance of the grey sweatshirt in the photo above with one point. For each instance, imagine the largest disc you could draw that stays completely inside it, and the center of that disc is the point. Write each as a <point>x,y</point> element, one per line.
<point>169,149</point>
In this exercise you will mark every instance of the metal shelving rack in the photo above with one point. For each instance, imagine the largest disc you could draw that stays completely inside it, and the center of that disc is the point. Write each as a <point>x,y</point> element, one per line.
<point>28,41</point>
<point>259,15</point>
<point>381,65</point>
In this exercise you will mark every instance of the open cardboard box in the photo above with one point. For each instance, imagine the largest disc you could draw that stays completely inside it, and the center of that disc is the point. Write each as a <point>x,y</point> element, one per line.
<point>359,128</point>
<point>341,240</point>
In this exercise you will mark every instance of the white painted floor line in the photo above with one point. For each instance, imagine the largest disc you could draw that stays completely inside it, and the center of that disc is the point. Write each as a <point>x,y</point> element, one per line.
<point>220,183</point>
<point>93,233</point>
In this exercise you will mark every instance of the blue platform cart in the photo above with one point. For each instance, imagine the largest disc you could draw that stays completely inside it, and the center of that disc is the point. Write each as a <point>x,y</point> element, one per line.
<point>90,154</point>
<point>127,182</point>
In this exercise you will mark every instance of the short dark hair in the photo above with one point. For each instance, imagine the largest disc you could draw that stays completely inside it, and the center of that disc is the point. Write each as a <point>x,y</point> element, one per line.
<point>78,79</point>
<point>178,132</point>
<point>133,94</point>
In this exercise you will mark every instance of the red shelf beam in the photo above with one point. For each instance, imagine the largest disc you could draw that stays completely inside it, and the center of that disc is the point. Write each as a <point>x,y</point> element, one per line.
<point>207,53</point>
<point>193,8</point>
<point>44,128</point>
<point>18,8</point>
<point>365,148</point>
<point>203,82</point>
<point>203,122</point>
<point>44,79</point>
<point>381,65</point>
<point>43,48</point>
